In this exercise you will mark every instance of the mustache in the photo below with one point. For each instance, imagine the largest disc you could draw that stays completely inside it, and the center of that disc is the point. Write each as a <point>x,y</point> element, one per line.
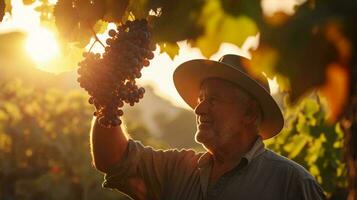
<point>201,120</point>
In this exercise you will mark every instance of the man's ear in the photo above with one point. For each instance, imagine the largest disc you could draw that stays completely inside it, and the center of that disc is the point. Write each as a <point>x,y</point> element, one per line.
<point>252,112</point>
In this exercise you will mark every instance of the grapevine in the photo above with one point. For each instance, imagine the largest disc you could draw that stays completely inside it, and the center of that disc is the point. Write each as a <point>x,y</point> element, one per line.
<point>109,78</point>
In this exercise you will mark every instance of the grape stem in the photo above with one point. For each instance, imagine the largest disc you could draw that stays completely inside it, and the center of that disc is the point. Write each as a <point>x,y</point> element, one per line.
<point>91,46</point>
<point>96,39</point>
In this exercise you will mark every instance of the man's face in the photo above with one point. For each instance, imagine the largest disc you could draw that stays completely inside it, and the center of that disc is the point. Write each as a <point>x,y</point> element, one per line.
<point>220,113</point>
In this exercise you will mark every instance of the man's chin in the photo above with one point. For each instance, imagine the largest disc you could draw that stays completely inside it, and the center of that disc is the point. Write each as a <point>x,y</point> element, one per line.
<point>203,137</point>
<point>204,140</point>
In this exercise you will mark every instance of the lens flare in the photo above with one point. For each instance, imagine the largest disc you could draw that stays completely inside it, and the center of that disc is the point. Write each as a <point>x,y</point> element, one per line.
<point>42,45</point>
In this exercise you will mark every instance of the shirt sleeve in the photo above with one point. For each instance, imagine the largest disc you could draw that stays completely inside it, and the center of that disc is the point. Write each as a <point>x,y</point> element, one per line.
<point>144,172</point>
<point>310,189</point>
<point>302,185</point>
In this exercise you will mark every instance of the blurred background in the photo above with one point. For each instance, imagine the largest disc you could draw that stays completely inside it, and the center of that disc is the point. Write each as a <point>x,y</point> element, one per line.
<point>45,116</point>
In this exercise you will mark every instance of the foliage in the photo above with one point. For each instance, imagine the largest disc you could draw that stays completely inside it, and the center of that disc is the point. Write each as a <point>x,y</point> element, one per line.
<point>318,38</point>
<point>311,141</point>
<point>44,145</point>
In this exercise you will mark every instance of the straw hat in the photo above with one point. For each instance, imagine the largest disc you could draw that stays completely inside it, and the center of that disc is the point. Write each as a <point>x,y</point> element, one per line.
<point>189,75</point>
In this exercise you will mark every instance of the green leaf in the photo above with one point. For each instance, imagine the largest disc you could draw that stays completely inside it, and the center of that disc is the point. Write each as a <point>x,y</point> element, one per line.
<point>295,147</point>
<point>211,18</point>
<point>283,82</point>
<point>220,27</point>
<point>310,109</point>
<point>100,27</point>
<point>114,10</point>
<point>75,20</point>
<point>236,30</point>
<point>172,49</point>
<point>179,20</point>
<point>302,126</point>
<point>314,170</point>
<point>316,149</point>
<point>89,12</point>
<point>264,60</point>
<point>250,8</point>
<point>67,20</point>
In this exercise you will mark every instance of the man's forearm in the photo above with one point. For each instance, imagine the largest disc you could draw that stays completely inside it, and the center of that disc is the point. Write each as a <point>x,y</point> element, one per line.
<point>108,145</point>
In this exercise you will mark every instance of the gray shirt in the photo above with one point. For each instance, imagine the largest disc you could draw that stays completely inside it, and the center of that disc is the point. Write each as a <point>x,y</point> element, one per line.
<point>184,175</point>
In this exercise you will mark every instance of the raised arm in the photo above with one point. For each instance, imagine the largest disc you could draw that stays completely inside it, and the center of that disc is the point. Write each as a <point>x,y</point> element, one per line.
<point>108,145</point>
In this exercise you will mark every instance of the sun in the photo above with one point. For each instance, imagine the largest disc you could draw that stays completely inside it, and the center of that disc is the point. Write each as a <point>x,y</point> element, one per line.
<point>42,45</point>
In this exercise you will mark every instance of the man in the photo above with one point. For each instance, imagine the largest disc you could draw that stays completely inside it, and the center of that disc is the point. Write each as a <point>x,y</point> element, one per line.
<point>235,112</point>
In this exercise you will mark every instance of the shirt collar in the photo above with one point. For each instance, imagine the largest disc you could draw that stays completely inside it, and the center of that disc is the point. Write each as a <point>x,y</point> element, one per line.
<point>257,149</point>
<point>204,160</point>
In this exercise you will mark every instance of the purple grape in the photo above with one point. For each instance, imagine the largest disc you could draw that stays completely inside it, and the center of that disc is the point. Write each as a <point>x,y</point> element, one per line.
<point>110,78</point>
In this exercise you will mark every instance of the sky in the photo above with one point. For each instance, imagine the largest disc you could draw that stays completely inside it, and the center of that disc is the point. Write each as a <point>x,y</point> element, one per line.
<point>42,45</point>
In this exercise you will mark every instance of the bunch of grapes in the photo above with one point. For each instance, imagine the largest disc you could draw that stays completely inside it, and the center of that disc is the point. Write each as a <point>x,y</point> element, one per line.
<point>110,78</point>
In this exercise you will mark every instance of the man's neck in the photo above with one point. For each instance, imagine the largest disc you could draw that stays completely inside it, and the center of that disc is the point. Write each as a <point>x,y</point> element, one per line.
<point>228,156</point>
<point>233,150</point>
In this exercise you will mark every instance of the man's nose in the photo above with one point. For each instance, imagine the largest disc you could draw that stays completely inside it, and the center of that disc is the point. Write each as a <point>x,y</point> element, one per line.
<point>201,108</point>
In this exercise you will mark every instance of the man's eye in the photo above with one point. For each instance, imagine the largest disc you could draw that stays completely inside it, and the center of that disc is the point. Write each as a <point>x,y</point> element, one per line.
<point>210,100</point>
<point>213,100</point>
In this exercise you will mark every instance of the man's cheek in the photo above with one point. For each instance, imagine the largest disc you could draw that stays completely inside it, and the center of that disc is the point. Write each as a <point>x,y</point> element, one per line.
<point>217,126</point>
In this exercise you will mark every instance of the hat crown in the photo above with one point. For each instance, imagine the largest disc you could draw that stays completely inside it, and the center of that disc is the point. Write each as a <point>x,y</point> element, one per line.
<point>237,62</point>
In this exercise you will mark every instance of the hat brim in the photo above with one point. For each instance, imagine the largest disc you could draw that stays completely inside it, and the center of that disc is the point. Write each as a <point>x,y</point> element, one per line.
<point>189,75</point>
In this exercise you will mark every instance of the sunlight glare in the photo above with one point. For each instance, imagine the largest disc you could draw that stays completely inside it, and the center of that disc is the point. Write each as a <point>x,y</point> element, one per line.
<point>42,45</point>
<point>273,6</point>
<point>274,86</point>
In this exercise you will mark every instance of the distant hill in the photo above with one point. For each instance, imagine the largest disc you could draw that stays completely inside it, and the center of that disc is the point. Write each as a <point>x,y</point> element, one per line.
<point>175,125</point>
